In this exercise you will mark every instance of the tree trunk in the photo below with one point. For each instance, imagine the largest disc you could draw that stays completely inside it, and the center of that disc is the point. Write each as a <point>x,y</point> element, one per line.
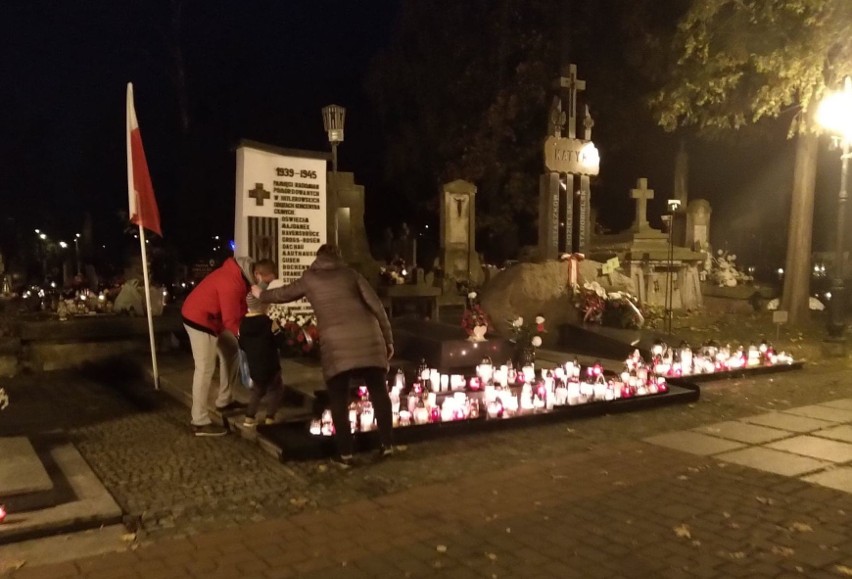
<point>797,270</point>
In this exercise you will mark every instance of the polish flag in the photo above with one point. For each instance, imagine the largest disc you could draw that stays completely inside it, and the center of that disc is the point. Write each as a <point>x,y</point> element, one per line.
<point>140,191</point>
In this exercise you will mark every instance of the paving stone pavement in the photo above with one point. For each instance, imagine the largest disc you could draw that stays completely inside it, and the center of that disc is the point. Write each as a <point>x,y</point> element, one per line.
<point>586,498</point>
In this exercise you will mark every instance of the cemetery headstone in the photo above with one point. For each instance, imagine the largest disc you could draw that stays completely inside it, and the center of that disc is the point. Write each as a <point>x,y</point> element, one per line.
<point>565,204</point>
<point>458,233</point>
<point>698,224</point>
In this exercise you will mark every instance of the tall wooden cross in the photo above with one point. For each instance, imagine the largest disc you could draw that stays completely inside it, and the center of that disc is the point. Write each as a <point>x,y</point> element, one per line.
<point>642,194</point>
<point>570,85</point>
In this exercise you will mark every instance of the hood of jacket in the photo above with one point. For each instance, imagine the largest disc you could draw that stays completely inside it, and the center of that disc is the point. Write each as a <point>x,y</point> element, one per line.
<point>325,262</point>
<point>245,266</point>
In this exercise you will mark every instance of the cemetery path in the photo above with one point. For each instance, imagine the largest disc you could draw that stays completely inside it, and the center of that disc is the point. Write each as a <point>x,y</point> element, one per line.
<point>587,498</point>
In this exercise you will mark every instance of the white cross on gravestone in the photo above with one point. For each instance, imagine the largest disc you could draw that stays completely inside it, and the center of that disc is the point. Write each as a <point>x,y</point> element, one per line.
<point>572,84</point>
<point>642,194</point>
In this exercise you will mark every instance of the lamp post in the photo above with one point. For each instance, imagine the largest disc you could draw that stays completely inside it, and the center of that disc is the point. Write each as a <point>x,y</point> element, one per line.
<point>672,206</point>
<point>77,251</point>
<point>333,119</point>
<point>835,114</point>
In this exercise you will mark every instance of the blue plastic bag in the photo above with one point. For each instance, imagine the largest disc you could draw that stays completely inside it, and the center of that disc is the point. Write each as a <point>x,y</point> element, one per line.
<point>245,375</point>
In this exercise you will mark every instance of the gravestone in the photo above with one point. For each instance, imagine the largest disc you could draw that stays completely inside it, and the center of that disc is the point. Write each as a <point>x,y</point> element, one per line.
<point>564,188</point>
<point>663,273</point>
<point>698,224</point>
<point>351,232</point>
<point>458,234</point>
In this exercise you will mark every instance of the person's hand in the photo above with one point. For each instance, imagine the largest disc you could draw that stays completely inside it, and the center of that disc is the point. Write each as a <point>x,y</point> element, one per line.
<point>390,351</point>
<point>256,291</point>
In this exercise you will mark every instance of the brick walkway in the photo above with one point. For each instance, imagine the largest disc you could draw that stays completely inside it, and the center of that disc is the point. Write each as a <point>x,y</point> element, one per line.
<point>584,499</point>
<point>627,510</point>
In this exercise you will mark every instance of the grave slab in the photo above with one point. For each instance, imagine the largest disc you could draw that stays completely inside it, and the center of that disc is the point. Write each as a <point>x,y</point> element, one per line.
<point>837,478</point>
<point>21,470</point>
<point>446,347</point>
<point>789,422</point>
<point>92,506</point>
<point>774,461</point>
<point>592,339</point>
<point>822,413</point>
<point>743,432</point>
<point>844,403</point>
<point>693,442</point>
<point>815,447</point>
<point>843,432</point>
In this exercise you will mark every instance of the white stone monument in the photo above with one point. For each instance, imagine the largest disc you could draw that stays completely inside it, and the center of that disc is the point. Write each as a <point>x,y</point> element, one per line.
<point>280,211</point>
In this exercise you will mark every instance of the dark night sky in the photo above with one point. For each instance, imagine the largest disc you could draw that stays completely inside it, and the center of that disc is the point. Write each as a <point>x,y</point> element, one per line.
<point>262,69</point>
<point>258,69</point>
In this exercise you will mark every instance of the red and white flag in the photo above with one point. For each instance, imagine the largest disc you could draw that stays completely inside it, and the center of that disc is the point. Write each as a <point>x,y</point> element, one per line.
<point>140,191</point>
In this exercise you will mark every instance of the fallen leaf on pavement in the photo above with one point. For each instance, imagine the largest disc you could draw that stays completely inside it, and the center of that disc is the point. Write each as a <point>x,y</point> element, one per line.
<point>783,551</point>
<point>299,502</point>
<point>800,527</point>
<point>682,531</point>
<point>491,556</point>
<point>128,537</point>
<point>765,501</point>
<point>441,548</point>
<point>843,570</point>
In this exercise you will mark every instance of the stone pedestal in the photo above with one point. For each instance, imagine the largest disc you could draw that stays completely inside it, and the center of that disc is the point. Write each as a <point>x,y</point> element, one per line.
<point>351,232</point>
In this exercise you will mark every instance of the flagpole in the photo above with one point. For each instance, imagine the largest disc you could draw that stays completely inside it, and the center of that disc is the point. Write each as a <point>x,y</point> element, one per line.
<point>148,309</point>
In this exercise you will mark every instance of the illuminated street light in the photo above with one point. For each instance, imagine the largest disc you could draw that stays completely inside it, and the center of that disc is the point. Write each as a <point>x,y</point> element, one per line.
<point>63,245</point>
<point>835,114</point>
<point>77,251</point>
<point>333,120</point>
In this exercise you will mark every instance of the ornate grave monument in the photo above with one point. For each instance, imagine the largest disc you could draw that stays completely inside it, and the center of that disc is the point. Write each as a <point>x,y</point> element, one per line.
<point>663,273</point>
<point>564,190</point>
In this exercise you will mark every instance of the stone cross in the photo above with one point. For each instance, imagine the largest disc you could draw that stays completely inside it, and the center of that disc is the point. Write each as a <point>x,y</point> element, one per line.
<point>642,194</point>
<point>259,194</point>
<point>571,85</point>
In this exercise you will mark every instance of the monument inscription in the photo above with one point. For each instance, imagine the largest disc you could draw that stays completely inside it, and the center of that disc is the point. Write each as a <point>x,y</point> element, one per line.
<point>290,229</point>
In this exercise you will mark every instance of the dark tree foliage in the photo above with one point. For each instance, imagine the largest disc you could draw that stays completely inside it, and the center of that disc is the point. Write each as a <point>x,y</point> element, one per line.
<point>464,90</point>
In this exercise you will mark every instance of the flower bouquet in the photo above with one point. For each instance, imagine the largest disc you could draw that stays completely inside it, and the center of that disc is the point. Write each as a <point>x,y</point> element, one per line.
<point>526,337</point>
<point>301,336</point>
<point>615,309</point>
<point>474,320</point>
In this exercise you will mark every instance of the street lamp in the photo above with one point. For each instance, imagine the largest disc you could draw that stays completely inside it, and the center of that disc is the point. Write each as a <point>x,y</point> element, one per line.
<point>333,119</point>
<point>672,206</point>
<point>835,114</point>
<point>77,251</point>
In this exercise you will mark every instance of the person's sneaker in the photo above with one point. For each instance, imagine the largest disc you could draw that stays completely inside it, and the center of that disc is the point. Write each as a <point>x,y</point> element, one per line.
<point>388,451</point>
<point>209,430</point>
<point>249,422</point>
<point>231,406</point>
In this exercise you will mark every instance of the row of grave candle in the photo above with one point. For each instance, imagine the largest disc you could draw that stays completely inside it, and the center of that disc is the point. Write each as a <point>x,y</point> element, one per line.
<point>708,359</point>
<point>561,387</point>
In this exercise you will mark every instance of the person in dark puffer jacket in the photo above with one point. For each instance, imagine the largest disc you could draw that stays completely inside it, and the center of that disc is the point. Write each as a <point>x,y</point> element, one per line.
<point>260,339</point>
<point>355,340</point>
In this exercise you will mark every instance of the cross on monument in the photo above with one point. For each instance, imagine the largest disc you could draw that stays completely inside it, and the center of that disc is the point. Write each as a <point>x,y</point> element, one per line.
<point>642,194</point>
<point>258,194</point>
<point>571,85</point>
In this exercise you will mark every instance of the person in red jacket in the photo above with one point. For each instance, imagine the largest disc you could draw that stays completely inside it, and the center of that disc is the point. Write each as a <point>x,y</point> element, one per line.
<point>211,315</point>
